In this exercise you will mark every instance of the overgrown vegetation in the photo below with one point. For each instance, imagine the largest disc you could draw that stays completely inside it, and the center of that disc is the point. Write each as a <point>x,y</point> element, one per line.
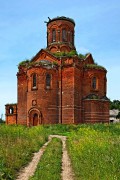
<point>82,56</point>
<point>67,54</point>
<point>29,63</point>
<point>24,62</point>
<point>49,167</point>
<point>2,121</point>
<point>17,144</point>
<point>70,54</point>
<point>115,104</point>
<point>93,149</point>
<point>94,66</point>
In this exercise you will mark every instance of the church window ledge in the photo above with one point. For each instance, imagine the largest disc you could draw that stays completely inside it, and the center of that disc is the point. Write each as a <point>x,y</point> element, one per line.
<point>48,88</point>
<point>34,88</point>
<point>94,90</point>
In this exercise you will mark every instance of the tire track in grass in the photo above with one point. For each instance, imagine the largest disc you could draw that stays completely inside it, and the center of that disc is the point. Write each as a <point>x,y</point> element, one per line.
<point>29,170</point>
<point>49,167</point>
<point>66,173</point>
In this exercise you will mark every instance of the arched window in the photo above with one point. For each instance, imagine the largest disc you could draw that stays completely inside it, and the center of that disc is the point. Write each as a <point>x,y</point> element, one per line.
<point>48,80</point>
<point>94,83</point>
<point>11,110</point>
<point>53,35</point>
<point>34,81</point>
<point>64,35</point>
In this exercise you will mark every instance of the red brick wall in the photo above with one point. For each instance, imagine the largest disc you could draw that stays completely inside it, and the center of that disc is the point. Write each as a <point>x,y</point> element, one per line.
<point>11,113</point>
<point>46,99</point>
<point>101,82</point>
<point>78,80</point>
<point>22,98</point>
<point>96,111</point>
<point>68,95</point>
<point>58,25</point>
<point>65,101</point>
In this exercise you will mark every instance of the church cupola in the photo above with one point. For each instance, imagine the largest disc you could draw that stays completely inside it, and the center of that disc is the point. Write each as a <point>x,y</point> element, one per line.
<point>60,34</point>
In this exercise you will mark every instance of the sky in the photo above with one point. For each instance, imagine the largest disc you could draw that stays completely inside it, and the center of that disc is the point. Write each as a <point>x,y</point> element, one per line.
<point>23,34</point>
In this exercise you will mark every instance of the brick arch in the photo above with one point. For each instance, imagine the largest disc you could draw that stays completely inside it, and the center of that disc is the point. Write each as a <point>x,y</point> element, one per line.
<point>64,49</point>
<point>66,26</point>
<point>53,49</point>
<point>35,117</point>
<point>53,26</point>
<point>93,74</point>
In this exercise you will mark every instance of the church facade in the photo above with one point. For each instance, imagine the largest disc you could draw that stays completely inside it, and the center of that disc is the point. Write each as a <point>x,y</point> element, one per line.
<point>58,85</point>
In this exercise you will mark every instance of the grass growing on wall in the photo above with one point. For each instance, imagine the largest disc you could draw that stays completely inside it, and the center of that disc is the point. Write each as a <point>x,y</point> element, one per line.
<point>49,168</point>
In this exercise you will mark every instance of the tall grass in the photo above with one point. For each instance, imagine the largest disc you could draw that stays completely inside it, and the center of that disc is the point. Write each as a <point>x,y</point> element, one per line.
<point>93,149</point>
<point>17,144</point>
<point>95,152</point>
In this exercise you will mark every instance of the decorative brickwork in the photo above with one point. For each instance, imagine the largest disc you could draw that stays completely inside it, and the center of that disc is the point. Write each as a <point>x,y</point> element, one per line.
<point>57,85</point>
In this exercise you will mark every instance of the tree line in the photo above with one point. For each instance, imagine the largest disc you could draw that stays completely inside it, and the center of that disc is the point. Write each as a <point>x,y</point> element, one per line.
<point>115,104</point>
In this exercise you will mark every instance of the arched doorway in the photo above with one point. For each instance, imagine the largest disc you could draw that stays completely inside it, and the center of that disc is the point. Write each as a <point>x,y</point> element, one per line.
<point>34,117</point>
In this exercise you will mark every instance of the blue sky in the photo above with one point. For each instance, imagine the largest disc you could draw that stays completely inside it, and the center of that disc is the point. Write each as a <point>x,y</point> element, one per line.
<point>23,34</point>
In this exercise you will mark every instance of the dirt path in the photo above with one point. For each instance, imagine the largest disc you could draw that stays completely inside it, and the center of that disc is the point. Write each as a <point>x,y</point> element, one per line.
<point>67,173</point>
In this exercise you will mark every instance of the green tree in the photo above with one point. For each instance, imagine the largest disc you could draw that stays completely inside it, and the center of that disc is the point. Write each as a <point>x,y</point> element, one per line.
<point>1,119</point>
<point>115,104</point>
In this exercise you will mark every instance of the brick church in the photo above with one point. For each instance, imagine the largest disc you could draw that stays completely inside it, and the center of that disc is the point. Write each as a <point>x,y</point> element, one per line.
<point>58,85</point>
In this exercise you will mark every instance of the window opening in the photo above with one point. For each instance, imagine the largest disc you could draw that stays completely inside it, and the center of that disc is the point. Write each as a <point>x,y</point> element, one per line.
<point>48,80</point>
<point>64,35</point>
<point>94,83</point>
<point>11,110</point>
<point>34,80</point>
<point>53,35</point>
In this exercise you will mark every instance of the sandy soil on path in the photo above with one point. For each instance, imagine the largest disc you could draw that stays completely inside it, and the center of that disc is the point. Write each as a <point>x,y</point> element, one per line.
<point>66,174</point>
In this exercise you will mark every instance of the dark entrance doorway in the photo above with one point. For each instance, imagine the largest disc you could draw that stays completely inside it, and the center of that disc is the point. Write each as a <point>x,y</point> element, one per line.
<point>35,119</point>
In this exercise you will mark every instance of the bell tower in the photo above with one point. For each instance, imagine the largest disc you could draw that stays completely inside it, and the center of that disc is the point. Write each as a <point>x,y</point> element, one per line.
<point>60,34</point>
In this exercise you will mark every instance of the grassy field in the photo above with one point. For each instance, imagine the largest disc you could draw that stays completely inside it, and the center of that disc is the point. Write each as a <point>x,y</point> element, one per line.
<point>17,144</point>
<point>94,149</point>
<point>95,152</point>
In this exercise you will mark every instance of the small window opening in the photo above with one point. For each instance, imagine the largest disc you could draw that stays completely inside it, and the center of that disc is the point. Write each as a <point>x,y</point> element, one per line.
<point>34,80</point>
<point>64,35</point>
<point>11,110</point>
<point>53,35</point>
<point>48,80</point>
<point>94,84</point>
